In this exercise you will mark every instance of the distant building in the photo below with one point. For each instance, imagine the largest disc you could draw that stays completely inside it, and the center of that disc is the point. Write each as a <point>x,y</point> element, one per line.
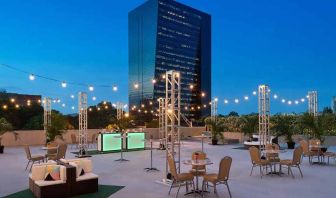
<point>167,35</point>
<point>333,104</point>
<point>20,99</point>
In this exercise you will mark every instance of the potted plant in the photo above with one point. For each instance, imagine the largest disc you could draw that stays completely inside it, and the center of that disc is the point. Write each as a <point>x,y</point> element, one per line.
<point>216,128</point>
<point>284,125</point>
<point>5,127</point>
<point>57,126</point>
<point>249,125</point>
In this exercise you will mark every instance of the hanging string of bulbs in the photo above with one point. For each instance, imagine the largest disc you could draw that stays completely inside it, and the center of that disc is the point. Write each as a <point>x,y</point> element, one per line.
<point>136,85</point>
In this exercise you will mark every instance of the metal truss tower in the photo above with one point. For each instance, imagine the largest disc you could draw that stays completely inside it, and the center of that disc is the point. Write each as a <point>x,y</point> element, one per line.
<point>82,112</point>
<point>214,109</point>
<point>312,103</point>
<point>120,110</point>
<point>173,116</point>
<point>162,123</point>
<point>264,115</point>
<point>46,113</point>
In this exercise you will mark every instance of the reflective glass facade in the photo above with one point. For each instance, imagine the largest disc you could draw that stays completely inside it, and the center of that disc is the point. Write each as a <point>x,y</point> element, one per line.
<point>167,35</point>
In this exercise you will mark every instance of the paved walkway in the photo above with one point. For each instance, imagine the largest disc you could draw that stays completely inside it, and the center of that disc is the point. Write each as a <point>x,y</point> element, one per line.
<point>318,181</point>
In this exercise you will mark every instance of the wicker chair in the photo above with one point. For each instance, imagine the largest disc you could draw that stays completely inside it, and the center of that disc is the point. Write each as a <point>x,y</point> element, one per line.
<point>181,178</point>
<point>257,161</point>
<point>295,162</point>
<point>61,152</point>
<point>306,152</point>
<point>329,155</point>
<point>272,156</point>
<point>221,178</point>
<point>198,170</point>
<point>32,158</point>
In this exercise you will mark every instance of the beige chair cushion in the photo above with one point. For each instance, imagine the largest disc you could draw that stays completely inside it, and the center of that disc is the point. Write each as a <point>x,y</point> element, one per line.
<point>39,171</point>
<point>87,176</point>
<point>185,177</point>
<point>211,177</point>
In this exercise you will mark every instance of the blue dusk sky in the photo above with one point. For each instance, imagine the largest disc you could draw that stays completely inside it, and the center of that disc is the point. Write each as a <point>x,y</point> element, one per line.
<point>288,44</point>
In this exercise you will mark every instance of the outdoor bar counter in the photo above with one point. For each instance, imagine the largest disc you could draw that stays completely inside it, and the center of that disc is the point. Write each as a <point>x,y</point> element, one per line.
<point>109,141</point>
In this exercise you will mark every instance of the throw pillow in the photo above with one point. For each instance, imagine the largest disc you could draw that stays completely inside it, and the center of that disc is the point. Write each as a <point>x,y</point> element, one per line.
<point>79,168</point>
<point>52,173</point>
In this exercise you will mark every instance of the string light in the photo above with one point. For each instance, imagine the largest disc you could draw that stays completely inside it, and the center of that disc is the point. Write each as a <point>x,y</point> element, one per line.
<point>275,96</point>
<point>283,100</point>
<point>12,100</point>
<point>203,94</point>
<point>31,77</point>
<point>226,101</point>
<point>289,102</point>
<point>17,106</point>
<point>302,100</point>
<point>94,98</point>
<point>91,88</point>
<point>63,105</point>
<point>296,102</point>
<point>72,96</point>
<point>191,86</point>
<point>236,101</point>
<point>254,93</point>
<point>64,84</point>
<point>73,108</point>
<point>246,98</point>
<point>4,107</point>
<point>216,99</point>
<point>136,86</point>
<point>153,81</point>
<point>115,88</point>
<point>98,109</point>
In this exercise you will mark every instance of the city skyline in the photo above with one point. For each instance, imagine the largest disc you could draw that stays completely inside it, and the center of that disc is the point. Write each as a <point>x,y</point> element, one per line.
<point>287,45</point>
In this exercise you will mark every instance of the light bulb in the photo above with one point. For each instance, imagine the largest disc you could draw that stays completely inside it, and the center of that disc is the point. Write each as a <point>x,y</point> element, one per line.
<point>275,96</point>
<point>31,77</point>
<point>115,88</point>
<point>91,88</point>
<point>64,84</point>
<point>226,101</point>
<point>246,98</point>
<point>94,98</point>
<point>236,101</point>
<point>254,93</point>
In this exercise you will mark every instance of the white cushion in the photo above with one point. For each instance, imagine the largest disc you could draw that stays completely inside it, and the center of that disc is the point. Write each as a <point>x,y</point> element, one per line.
<point>71,160</point>
<point>48,183</point>
<point>38,172</point>
<point>87,176</point>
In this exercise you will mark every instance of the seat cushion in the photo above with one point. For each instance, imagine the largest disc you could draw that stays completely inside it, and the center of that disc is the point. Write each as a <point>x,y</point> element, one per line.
<point>37,157</point>
<point>87,176</point>
<point>210,177</point>
<point>53,172</point>
<point>185,177</point>
<point>48,183</point>
<point>286,162</point>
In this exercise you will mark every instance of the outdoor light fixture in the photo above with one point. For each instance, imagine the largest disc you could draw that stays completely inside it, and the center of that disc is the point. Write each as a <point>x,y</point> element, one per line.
<point>63,105</point>
<point>226,101</point>
<point>236,101</point>
<point>12,100</point>
<point>94,98</point>
<point>104,102</point>
<point>4,106</point>
<point>31,77</point>
<point>283,100</point>
<point>98,109</point>
<point>90,109</point>
<point>254,93</point>
<point>73,108</point>
<point>64,84</point>
<point>289,102</point>
<point>246,98</point>
<point>72,96</point>
<point>302,100</point>
<point>191,86</point>
<point>275,96</point>
<point>136,85</point>
<point>91,88</point>
<point>296,102</point>
<point>203,94</point>
<point>115,88</point>
<point>17,106</point>
<point>126,115</point>
<point>216,99</point>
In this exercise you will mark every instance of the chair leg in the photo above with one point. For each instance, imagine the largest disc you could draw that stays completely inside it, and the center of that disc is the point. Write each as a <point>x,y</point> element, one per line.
<point>171,186</point>
<point>187,188</point>
<point>289,168</point>
<point>27,164</point>
<point>251,170</point>
<point>300,171</point>
<point>227,185</point>
<point>178,190</point>
<point>261,172</point>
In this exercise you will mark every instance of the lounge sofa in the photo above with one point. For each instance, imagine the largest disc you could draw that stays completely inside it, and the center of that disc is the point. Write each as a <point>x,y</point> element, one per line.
<point>41,188</point>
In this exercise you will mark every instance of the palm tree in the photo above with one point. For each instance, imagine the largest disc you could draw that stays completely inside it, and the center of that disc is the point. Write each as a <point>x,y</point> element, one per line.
<point>5,127</point>
<point>217,127</point>
<point>284,125</point>
<point>249,124</point>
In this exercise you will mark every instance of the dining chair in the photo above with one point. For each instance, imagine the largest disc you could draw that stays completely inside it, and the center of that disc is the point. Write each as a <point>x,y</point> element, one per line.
<point>180,178</point>
<point>295,162</point>
<point>257,161</point>
<point>306,152</point>
<point>32,158</point>
<point>221,178</point>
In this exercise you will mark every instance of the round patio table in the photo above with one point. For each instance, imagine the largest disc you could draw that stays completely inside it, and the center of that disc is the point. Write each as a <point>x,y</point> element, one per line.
<point>318,148</point>
<point>274,161</point>
<point>197,163</point>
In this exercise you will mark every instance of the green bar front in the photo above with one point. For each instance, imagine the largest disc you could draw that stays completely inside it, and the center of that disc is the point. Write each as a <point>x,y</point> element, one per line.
<point>136,140</point>
<point>109,142</point>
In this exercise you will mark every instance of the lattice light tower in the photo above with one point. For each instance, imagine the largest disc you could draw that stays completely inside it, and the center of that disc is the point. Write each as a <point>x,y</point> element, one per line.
<point>162,127</point>
<point>264,115</point>
<point>312,103</point>
<point>173,116</point>
<point>120,111</point>
<point>46,113</point>
<point>82,112</point>
<point>214,109</point>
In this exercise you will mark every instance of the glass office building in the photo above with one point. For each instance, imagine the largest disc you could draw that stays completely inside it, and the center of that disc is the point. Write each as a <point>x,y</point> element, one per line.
<point>167,35</point>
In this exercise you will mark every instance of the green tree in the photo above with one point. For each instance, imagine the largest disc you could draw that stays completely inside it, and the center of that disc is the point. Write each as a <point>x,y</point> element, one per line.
<point>250,124</point>
<point>284,125</point>
<point>216,127</point>
<point>58,126</point>
<point>5,127</point>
